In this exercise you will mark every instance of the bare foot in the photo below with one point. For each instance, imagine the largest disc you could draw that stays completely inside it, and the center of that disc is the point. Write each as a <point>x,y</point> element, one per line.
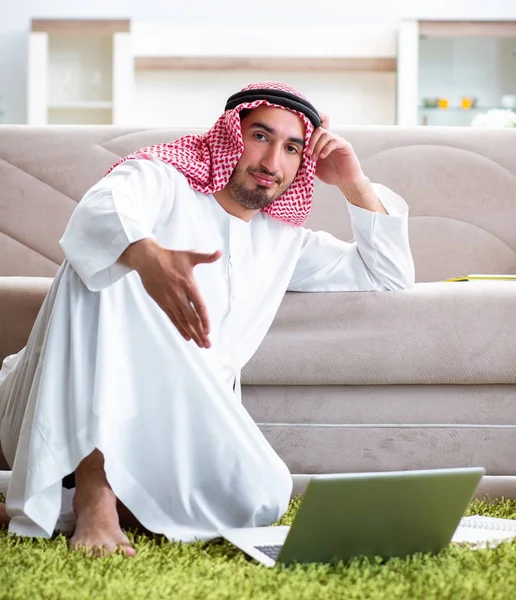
<point>4,517</point>
<point>97,530</point>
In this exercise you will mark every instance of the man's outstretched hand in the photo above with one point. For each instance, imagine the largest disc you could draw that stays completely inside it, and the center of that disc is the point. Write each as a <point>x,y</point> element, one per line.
<point>167,276</point>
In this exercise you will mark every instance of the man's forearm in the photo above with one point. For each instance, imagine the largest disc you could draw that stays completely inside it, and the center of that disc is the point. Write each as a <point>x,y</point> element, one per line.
<point>139,253</point>
<point>362,194</point>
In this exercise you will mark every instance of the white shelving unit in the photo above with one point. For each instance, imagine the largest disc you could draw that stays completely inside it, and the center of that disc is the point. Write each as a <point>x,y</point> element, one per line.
<point>451,60</point>
<point>154,74</point>
<point>79,72</point>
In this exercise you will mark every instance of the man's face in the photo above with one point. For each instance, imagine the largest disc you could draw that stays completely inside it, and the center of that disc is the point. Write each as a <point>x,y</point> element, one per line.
<point>273,149</point>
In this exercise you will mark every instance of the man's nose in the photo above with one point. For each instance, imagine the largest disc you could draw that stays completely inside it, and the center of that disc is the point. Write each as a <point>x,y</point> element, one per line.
<point>271,159</point>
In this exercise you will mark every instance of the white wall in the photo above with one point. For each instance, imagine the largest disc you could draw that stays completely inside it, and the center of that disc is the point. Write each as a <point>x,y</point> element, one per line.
<point>196,99</point>
<point>15,19</point>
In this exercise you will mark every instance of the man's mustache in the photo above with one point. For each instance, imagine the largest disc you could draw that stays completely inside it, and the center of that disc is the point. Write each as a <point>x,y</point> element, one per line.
<point>266,171</point>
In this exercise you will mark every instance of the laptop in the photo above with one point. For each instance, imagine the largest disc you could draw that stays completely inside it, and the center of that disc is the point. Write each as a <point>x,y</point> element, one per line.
<point>383,514</point>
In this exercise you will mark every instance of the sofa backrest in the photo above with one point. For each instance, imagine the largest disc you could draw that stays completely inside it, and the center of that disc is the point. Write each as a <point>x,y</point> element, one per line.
<point>460,184</point>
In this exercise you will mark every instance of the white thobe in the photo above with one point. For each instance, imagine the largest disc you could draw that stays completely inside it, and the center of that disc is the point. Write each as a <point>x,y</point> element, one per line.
<point>105,368</point>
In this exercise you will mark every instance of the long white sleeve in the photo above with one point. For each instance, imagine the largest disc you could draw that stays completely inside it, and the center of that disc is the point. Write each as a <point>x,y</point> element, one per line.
<point>119,210</point>
<point>379,259</point>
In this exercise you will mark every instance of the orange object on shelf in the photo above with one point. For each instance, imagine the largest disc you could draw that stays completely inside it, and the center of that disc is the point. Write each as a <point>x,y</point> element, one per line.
<point>466,102</point>
<point>443,103</point>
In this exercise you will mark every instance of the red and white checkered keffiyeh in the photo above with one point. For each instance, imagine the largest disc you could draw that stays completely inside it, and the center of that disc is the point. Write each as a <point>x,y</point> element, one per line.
<point>208,160</point>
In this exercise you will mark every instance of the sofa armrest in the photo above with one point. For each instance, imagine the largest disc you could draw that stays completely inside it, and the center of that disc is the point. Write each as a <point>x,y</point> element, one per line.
<point>20,301</point>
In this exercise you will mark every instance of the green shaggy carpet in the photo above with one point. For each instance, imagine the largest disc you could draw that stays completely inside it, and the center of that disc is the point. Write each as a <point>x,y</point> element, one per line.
<point>31,569</point>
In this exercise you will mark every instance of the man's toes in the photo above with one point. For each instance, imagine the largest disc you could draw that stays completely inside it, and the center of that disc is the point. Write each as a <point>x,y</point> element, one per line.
<point>80,548</point>
<point>108,549</point>
<point>127,549</point>
<point>103,549</point>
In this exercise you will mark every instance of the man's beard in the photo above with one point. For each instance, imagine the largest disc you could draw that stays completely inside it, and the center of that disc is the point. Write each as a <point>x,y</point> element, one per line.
<point>256,198</point>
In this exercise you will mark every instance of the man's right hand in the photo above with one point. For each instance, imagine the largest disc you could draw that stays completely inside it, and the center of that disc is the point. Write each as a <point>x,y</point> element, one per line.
<point>167,276</point>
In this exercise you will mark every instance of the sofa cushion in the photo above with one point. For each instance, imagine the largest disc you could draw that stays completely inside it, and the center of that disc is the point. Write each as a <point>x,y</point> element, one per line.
<point>435,333</point>
<point>457,181</point>
<point>20,301</point>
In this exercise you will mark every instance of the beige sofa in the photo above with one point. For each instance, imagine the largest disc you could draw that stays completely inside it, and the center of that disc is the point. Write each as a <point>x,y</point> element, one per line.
<point>421,378</point>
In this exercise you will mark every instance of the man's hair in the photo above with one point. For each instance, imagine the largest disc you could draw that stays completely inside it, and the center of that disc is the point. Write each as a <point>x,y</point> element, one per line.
<point>245,112</point>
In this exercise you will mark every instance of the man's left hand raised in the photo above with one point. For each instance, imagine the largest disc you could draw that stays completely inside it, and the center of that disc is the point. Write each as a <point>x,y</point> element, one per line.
<point>336,161</point>
<point>337,164</point>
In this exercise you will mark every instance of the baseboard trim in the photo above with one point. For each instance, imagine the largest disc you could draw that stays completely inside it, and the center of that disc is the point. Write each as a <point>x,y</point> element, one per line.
<point>493,486</point>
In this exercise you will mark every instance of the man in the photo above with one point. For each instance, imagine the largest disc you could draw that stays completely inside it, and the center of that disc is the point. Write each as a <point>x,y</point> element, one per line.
<point>130,379</point>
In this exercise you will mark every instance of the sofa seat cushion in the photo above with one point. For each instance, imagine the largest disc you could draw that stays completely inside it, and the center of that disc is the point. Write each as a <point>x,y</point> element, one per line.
<point>434,333</point>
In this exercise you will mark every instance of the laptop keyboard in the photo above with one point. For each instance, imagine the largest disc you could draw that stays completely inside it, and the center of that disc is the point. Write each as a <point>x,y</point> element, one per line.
<point>270,551</point>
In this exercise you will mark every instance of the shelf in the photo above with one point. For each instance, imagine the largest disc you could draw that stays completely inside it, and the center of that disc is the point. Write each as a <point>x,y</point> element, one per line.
<point>93,105</point>
<point>458,109</point>
<point>223,63</point>
<point>81,26</point>
<point>498,29</point>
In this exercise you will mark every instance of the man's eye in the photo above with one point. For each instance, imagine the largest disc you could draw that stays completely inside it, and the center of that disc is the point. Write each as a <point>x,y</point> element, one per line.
<point>259,136</point>
<point>292,150</point>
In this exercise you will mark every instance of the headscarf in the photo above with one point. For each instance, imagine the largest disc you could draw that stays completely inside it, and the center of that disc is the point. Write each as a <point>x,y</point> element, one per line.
<point>208,160</point>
